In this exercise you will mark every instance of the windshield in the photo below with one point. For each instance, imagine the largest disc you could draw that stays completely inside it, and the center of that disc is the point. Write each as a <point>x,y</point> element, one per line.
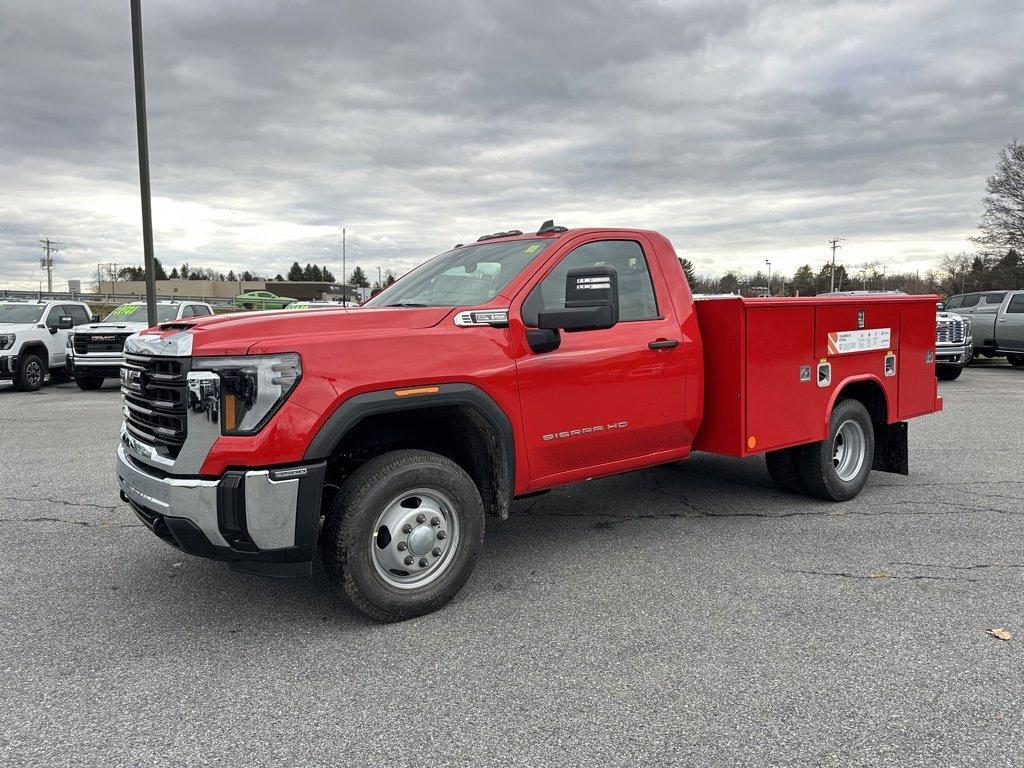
<point>136,313</point>
<point>21,313</point>
<point>466,276</point>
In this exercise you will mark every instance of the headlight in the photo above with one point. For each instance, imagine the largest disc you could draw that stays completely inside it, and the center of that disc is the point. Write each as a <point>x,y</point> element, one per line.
<point>252,388</point>
<point>6,340</point>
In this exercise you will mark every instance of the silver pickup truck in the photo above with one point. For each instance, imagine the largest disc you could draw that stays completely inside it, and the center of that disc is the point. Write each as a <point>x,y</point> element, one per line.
<point>997,322</point>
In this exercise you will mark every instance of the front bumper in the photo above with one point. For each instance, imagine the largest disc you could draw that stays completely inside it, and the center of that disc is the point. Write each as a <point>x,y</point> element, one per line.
<point>107,366</point>
<point>954,354</point>
<point>8,366</point>
<point>253,518</point>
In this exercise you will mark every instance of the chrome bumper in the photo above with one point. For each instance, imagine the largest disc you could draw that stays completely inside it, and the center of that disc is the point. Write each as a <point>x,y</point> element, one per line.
<point>242,516</point>
<point>954,354</point>
<point>96,360</point>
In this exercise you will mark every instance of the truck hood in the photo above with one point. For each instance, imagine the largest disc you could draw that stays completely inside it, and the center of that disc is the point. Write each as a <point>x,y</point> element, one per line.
<point>15,327</point>
<point>238,334</point>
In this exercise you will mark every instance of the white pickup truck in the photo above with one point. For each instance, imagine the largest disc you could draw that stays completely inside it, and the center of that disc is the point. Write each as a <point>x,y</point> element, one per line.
<point>33,339</point>
<point>95,352</point>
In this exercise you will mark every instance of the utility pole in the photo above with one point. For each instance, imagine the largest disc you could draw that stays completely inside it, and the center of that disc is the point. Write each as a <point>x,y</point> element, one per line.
<point>883,277</point>
<point>344,279</point>
<point>46,262</point>
<point>143,137</point>
<point>834,242</point>
<point>769,276</point>
<point>380,280</point>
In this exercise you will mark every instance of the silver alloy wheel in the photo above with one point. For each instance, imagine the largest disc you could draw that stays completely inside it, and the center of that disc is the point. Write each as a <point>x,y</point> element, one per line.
<point>414,538</point>
<point>848,450</point>
<point>34,373</point>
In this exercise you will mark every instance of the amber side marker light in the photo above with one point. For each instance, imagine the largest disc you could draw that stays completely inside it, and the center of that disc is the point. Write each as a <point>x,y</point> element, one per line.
<point>417,391</point>
<point>229,411</point>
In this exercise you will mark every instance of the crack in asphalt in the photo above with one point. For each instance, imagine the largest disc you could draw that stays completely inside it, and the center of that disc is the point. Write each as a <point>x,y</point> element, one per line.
<point>69,521</point>
<point>882,576</point>
<point>974,567</point>
<point>65,503</point>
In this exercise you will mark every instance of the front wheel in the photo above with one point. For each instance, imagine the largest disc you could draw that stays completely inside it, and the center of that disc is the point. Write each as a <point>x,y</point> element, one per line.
<point>402,534</point>
<point>837,469</point>
<point>948,372</point>
<point>31,373</point>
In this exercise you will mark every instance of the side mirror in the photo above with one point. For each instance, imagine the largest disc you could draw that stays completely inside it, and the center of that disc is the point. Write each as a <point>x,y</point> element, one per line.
<point>64,323</point>
<point>591,302</point>
<point>940,306</point>
<point>95,319</point>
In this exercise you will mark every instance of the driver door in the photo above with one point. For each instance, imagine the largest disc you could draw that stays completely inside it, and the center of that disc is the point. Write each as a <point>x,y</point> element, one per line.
<point>604,398</point>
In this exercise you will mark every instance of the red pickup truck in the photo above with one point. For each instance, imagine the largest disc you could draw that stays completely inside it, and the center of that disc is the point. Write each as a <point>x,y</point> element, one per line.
<point>384,434</point>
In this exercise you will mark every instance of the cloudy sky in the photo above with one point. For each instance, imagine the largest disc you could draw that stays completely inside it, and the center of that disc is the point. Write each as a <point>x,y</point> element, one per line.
<point>744,130</point>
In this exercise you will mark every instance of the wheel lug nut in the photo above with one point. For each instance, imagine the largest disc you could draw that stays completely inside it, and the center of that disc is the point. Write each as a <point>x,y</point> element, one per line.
<point>435,521</point>
<point>442,535</point>
<point>420,518</point>
<point>402,546</point>
<point>436,552</point>
<point>406,528</point>
<point>423,562</point>
<point>408,560</point>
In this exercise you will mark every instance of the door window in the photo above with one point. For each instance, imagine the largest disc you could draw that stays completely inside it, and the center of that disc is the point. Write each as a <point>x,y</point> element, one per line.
<point>636,292</point>
<point>53,316</point>
<point>78,314</point>
<point>200,311</point>
<point>1016,305</point>
<point>969,300</point>
<point>186,311</point>
<point>994,298</point>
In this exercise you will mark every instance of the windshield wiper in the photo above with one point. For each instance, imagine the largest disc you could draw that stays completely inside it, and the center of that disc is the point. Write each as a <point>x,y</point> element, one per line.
<point>407,304</point>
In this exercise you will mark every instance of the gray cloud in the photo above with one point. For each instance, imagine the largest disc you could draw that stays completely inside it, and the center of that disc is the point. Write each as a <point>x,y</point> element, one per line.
<point>743,130</point>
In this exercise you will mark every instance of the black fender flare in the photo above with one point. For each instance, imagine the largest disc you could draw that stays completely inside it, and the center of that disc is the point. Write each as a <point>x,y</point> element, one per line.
<point>37,347</point>
<point>355,409</point>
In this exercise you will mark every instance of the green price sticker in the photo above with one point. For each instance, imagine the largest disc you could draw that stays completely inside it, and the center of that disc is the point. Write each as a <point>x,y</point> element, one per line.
<point>532,248</point>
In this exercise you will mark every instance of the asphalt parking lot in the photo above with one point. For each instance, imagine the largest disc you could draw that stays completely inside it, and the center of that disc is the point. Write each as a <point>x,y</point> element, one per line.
<point>691,614</point>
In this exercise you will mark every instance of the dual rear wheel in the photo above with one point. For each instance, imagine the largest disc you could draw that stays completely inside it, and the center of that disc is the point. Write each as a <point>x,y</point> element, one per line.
<point>835,469</point>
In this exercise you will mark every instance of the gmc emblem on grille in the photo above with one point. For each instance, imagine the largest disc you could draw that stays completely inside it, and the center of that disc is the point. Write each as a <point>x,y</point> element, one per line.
<point>103,338</point>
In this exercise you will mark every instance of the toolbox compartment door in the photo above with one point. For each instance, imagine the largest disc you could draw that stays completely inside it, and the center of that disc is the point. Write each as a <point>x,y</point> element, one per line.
<point>915,363</point>
<point>843,317</point>
<point>782,407</point>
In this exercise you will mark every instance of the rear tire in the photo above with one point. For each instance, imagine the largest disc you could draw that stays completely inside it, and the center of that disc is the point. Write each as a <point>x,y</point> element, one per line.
<point>782,466</point>
<point>1017,361</point>
<point>948,372</point>
<point>837,469</point>
<point>31,372</point>
<point>394,509</point>
<point>89,382</point>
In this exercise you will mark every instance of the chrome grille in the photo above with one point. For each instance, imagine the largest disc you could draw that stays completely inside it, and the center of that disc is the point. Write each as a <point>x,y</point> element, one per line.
<point>949,332</point>
<point>155,394</point>
<point>85,344</point>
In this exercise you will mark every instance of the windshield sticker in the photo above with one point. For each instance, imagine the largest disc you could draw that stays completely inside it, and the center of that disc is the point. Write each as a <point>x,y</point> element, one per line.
<point>125,309</point>
<point>532,248</point>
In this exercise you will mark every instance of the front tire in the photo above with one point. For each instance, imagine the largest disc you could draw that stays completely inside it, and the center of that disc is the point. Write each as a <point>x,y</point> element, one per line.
<point>89,383</point>
<point>948,372</point>
<point>402,534</point>
<point>31,372</point>
<point>837,469</point>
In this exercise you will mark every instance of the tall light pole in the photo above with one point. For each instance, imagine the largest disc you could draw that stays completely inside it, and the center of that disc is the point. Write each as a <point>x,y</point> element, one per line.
<point>883,277</point>
<point>344,279</point>
<point>143,135</point>
<point>769,276</point>
<point>380,280</point>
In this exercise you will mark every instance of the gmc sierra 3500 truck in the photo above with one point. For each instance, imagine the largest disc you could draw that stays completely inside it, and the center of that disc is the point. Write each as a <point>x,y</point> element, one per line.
<point>497,370</point>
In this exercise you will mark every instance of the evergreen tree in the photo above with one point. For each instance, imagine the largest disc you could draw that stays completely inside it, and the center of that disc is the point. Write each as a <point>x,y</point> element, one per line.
<point>158,269</point>
<point>247,276</point>
<point>358,278</point>
<point>327,276</point>
<point>803,281</point>
<point>231,276</point>
<point>687,266</point>
<point>174,274</point>
<point>295,273</point>
<point>389,278</point>
<point>278,278</point>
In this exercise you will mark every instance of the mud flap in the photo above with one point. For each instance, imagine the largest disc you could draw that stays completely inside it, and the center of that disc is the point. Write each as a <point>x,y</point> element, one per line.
<point>891,449</point>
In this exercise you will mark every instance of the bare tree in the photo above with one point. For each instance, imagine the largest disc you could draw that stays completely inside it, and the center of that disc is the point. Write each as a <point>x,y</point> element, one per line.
<point>1002,223</point>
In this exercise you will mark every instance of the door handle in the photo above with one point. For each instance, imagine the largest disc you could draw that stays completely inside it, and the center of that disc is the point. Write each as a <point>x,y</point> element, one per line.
<point>664,344</point>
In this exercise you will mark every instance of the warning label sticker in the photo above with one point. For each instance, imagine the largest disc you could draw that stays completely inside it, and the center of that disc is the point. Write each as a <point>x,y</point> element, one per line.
<point>845,342</point>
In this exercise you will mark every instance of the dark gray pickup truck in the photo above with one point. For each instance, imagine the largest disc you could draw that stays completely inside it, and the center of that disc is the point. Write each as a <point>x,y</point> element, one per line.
<point>997,322</point>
